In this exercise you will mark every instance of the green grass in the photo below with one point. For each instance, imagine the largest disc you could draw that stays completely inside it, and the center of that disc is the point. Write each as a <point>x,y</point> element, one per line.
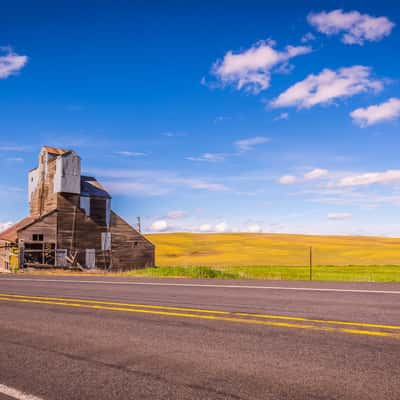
<point>354,273</point>
<point>183,272</point>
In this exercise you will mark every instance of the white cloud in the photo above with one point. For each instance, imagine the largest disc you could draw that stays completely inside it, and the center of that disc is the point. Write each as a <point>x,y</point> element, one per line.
<point>316,173</point>
<point>351,195</point>
<point>390,176</point>
<point>205,228</point>
<point>249,143</point>
<point>130,153</point>
<point>339,216</point>
<point>5,225</point>
<point>254,228</point>
<point>208,157</point>
<point>203,185</point>
<point>13,148</point>
<point>287,179</point>
<point>160,225</point>
<point>281,116</point>
<point>173,134</point>
<point>151,182</point>
<point>355,28</point>
<point>250,70</point>
<point>15,159</point>
<point>377,113</point>
<point>371,206</point>
<point>242,145</point>
<point>221,227</point>
<point>132,188</point>
<point>161,187</point>
<point>308,37</point>
<point>10,62</point>
<point>221,118</point>
<point>327,86</point>
<point>344,228</point>
<point>176,214</point>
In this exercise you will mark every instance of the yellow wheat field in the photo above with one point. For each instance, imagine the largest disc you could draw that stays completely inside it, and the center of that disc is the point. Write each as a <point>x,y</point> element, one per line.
<point>245,249</point>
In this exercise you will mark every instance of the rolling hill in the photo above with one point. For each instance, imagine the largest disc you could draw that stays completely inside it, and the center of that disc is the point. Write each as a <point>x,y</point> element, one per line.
<point>247,249</point>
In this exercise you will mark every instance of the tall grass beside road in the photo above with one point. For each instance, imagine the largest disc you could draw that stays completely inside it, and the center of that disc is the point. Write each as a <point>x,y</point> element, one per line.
<point>353,273</point>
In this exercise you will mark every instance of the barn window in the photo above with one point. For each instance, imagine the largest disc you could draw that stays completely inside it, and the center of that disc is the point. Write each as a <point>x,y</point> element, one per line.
<point>106,241</point>
<point>37,237</point>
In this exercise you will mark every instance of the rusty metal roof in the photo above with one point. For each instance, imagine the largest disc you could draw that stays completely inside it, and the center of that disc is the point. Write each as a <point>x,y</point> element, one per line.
<point>54,150</point>
<point>11,234</point>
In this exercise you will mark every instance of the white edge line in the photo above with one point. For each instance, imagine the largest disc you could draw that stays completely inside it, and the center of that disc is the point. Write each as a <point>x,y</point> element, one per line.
<point>207,285</point>
<point>17,394</point>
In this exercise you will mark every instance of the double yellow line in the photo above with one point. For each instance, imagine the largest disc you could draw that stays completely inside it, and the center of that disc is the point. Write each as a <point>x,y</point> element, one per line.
<point>282,321</point>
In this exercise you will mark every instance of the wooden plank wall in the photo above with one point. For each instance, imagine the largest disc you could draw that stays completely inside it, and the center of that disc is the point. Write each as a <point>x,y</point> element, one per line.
<point>44,199</point>
<point>4,254</point>
<point>130,249</point>
<point>46,226</point>
<point>71,229</point>
<point>76,231</point>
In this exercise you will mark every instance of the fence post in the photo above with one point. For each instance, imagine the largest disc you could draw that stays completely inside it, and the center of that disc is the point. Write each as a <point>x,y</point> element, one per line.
<point>311,263</point>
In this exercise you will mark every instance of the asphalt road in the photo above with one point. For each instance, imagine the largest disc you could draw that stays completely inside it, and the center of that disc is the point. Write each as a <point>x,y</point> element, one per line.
<point>116,338</point>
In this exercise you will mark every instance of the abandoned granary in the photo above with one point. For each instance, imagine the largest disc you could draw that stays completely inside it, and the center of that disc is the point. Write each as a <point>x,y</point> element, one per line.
<point>71,223</point>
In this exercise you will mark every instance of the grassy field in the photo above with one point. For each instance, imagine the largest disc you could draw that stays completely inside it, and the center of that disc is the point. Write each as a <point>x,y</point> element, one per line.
<point>353,273</point>
<point>275,256</point>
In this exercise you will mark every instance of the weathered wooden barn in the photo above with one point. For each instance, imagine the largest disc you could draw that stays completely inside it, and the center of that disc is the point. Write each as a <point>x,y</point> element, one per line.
<point>71,223</point>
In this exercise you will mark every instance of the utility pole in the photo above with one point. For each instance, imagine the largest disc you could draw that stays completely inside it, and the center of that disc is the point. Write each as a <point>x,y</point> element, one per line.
<point>311,263</point>
<point>139,225</point>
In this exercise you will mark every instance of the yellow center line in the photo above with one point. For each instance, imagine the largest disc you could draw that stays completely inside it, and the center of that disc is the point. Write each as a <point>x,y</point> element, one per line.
<point>207,317</point>
<point>320,321</point>
<point>198,310</point>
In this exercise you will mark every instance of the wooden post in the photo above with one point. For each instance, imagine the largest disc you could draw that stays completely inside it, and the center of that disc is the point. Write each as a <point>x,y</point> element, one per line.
<point>21,247</point>
<point>311,263</point>
<point>73,230</point>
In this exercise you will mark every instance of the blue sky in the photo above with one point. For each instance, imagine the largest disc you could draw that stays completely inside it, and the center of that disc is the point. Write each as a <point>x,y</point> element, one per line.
<point>236,116</point>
